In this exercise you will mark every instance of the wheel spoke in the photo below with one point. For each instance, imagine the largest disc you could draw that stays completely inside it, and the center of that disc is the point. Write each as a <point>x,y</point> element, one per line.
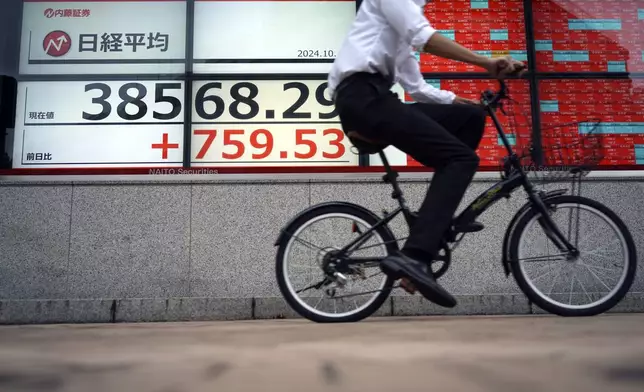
<point>609,258</point>
<point>556,279</point>
<point>597,277</point>
<point>542,275</point>
<point>312,286</point>
<point>587,239</point>
<point>560,257</point>
<point>309,267</point>
<point>595,249</point>
<point>596,267</point>
<point>308,244</point>
<point>599,254</point>
<point>316,305</point>
<point>361,242</point>
<point>583,288</point>
<point>360,293</point>
<point>380,244</point>
<point>600,273</point>
<point>355,302</point>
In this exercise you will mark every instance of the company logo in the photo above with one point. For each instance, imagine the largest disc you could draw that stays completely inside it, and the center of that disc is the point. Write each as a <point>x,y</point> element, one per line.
<point>57,43</point>
<point>67,13</point>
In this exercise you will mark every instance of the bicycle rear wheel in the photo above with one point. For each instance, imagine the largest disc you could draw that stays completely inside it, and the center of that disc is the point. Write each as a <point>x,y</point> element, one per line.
<point>587,285</point>
<point>301,256</point>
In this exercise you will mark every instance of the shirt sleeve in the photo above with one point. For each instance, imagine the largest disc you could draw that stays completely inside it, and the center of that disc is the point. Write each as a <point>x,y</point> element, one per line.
<point>410,78</point>
<point>408,20</point>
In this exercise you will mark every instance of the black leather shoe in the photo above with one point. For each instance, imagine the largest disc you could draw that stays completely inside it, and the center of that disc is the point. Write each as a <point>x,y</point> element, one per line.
<point>471,227</point>
<point>400,266</point>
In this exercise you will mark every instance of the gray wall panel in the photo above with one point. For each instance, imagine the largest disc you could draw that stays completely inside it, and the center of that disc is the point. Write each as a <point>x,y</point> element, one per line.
<point>233,231</point>
<point>34,241</point>
<point>130,241</point>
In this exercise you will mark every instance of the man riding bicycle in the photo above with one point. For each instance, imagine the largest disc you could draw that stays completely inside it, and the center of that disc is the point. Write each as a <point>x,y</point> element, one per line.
<point>441,130</point>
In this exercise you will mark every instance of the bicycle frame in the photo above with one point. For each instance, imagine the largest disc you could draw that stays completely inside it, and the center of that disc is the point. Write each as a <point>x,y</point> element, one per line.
<point>502,189</point>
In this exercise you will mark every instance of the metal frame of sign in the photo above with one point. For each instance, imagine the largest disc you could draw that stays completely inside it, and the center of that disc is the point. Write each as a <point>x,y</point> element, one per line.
<point>188,77</point>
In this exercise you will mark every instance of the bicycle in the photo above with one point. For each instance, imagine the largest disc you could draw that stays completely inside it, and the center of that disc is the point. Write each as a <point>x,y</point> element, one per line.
<point>340,270</point>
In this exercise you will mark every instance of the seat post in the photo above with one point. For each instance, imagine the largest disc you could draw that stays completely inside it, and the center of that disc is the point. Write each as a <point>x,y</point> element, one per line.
<point>390,178</point>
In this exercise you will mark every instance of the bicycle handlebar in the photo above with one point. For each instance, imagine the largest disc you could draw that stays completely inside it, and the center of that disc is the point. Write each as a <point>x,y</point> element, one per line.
<point>494,98</point>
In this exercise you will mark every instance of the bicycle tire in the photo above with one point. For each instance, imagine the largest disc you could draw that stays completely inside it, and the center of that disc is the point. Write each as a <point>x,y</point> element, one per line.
<point>548,306</point>
<point>340,208</point>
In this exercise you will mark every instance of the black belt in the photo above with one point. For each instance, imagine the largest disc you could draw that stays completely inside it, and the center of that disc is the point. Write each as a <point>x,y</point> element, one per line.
<point>375,78</point>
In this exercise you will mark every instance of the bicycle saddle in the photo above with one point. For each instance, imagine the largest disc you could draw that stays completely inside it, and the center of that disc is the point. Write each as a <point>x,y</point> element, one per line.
<point>364,144</point>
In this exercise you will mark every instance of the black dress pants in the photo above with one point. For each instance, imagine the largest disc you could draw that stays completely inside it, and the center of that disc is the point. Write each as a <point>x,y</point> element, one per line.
<point>440,136</point>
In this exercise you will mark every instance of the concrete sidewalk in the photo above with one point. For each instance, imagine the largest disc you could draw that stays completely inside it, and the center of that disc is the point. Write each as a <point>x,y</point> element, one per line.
<point>523,353</point>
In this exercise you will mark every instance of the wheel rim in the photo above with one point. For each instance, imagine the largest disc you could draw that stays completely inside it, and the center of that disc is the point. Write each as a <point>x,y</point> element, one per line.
<point>583,266</point>
<point>315,308</point>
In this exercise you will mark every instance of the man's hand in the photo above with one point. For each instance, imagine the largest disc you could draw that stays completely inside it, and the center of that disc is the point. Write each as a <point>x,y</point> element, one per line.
<point>504,66</point>
<point>441,46</point>
<point>465,101</point>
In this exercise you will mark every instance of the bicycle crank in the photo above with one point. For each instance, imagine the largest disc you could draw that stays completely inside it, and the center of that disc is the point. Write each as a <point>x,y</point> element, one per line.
<point>444,256</point>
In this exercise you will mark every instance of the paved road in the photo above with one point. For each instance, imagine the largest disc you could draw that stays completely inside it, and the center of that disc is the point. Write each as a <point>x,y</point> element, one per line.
<point>497,354</point>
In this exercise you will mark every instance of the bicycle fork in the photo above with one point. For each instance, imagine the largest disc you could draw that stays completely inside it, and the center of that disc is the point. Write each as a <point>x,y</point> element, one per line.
<point>550,227</point>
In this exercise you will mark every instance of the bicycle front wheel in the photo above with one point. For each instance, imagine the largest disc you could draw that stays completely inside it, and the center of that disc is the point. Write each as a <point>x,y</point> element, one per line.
<point>587,285</point>
<point>301,257</point>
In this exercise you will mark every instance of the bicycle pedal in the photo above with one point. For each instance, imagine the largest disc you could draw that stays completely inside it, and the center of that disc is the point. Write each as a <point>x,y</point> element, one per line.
<point>407,286</point>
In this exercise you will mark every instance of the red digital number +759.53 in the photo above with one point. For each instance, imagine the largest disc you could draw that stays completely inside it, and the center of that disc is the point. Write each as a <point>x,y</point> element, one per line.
<point>262,139</point>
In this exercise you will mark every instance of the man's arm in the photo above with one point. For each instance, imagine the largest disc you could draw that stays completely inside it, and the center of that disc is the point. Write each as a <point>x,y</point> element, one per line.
<point>412,82</point>
<point>414,28</point>
<point>441,46</point>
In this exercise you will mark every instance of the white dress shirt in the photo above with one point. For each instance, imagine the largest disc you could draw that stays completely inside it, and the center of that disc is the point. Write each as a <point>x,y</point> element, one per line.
<point>382,39</point>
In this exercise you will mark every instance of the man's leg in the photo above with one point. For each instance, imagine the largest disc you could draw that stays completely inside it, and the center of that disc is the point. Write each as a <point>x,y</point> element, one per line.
<point>380,115</point>
<point>455,164</point>
<point>466,123</point>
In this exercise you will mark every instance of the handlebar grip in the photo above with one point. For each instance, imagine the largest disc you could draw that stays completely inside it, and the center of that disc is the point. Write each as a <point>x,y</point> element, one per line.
<point>494,98</point>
